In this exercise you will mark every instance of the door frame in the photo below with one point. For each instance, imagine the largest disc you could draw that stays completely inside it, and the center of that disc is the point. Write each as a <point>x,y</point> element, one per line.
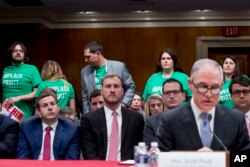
<point>203,43</point>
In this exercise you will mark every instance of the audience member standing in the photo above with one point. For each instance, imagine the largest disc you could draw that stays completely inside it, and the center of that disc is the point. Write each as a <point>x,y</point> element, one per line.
<point>20,80</point>
<point>168,67</point>
<point>230,69</point>
<point>47,136</point>
<point>190,126</point>
<point>110,133</point>
<point>173,95</point>
<point>97,68</point>
<point>9,130</point>
<point>54,78</point>
<point>240,94</point>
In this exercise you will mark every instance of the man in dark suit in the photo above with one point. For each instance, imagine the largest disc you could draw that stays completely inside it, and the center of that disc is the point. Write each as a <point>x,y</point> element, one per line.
<point>97,128</point>
<point>97,68</point>
<point>48,137</point>
<point>184,127</point>
<point>240,95</point>
<point>8,136</point>
<point>173,95</point>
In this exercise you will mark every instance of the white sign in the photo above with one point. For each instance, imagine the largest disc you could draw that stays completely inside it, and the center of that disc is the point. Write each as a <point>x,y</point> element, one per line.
<point>13,112</point>
<point>192,159</point>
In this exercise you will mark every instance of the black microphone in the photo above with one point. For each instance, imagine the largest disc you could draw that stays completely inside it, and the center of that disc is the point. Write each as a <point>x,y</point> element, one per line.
<point>217,138</point>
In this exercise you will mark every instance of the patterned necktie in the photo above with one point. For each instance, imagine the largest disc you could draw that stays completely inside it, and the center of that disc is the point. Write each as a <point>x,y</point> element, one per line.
<point>113,145</point>
<point>46,146</point>
<point>206,137</point>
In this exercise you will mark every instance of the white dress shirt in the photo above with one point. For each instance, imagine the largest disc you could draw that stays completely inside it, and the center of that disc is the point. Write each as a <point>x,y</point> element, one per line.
<point>52,135</point>
<point>109,121</point>
<point>197,111</point>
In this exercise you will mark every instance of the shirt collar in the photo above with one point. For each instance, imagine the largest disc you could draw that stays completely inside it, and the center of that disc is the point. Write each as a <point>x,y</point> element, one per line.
<point>109,111</point>
<point>197,111</point>
<point>53,126</point>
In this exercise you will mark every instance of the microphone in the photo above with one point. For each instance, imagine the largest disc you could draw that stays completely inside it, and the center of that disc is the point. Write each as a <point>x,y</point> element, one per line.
<point>217,138</point>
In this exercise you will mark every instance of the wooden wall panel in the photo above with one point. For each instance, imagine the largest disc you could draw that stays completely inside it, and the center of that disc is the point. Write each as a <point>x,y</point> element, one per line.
<point>139,48</point>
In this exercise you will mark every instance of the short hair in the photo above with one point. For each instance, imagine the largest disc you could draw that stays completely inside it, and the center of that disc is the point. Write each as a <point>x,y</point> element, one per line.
<point>241,80</point>
<point>45,93</point>
<point>138,94</point>
<point>66,111</point>
<point>93,47</point>
<point>172,80</point>
<point>204,62</point>
<point>12,48</point>
<point>95,93</point>
<point>51,71</point>
<point>111,75</point>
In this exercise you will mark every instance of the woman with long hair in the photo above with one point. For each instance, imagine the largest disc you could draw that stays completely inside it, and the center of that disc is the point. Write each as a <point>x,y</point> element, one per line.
<point>168,67</point>
<point>231,69</point>
<point>54,78</point>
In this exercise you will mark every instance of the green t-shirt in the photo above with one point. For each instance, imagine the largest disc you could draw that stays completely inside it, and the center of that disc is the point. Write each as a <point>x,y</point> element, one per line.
<point>64,90</point>
<point>155,81</point>
<point>99,74</point>
<point>225,97</point>
<point>20,80</point>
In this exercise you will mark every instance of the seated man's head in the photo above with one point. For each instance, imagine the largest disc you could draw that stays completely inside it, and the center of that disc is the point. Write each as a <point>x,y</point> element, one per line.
<point>240,93</point>
<point>137,102</point>
<point>47,106</point>
<point>173,93</point>
<point>96,100</point>
<point>67,113</point>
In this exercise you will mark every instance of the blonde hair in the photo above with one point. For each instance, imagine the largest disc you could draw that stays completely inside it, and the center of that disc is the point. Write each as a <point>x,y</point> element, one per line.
<point>147,103</point>
<point>51,71</point>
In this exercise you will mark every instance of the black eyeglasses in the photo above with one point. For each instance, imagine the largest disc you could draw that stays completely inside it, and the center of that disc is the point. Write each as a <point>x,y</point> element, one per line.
<point>174,92</point>
<point>239,92</point>
<point>204,88</point>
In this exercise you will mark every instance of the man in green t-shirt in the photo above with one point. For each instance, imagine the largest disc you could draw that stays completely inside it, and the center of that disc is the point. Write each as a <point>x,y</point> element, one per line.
<point>20,80</point>
<point>98,66</point>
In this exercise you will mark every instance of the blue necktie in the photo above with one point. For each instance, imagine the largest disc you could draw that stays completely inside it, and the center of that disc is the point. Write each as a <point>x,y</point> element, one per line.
<point>206,137</point>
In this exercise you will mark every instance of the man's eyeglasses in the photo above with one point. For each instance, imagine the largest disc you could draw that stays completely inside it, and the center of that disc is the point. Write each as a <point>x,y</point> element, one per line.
<point>239,92</point>
<point>21,51</point>
<point>204,89</point>
<point>174,92</point>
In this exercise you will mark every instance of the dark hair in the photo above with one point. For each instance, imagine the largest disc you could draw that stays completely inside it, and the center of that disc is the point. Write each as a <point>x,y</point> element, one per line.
<point>241,80</point>
<point>12,48</point>
<point>45,93</point>
<point>94,93</point>
<point>237,67</point>
<point>171,52</point>
<point>172,80</point>
<point>138,94</point>
<point>93,47</point>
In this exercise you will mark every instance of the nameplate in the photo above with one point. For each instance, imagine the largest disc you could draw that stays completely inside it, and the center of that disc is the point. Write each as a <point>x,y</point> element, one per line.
<point>192,159</point>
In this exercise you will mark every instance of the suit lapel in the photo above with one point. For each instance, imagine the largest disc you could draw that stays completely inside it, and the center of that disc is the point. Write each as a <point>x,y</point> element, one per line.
<point>189,125</point>
<point>125,121</point>
<point>219,126</point>
<point>58,138</point>
<point>109,67</point>
<point>91,77</point>
<point>103,126</point>
<point>38,137</point>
